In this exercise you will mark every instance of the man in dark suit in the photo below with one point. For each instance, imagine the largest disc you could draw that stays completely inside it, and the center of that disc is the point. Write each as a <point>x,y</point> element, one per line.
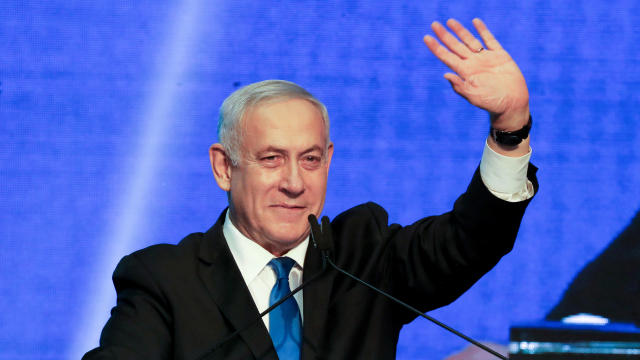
<point>176,302</point>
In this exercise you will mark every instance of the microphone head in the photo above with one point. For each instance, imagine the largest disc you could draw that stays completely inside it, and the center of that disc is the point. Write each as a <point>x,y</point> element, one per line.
<point>327,237</point>
<point>316,233</point>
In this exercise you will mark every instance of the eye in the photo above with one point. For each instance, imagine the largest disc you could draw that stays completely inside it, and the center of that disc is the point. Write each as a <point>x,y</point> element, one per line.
<point>271,160</point>
<point>311,161</point>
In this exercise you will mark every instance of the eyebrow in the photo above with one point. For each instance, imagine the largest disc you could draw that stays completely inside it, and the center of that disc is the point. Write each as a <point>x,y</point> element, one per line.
<point>283,151</point>
<point>313,148</point>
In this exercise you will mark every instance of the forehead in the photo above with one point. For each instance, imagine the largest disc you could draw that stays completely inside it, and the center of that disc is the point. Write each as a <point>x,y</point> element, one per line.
<point>289,122</point>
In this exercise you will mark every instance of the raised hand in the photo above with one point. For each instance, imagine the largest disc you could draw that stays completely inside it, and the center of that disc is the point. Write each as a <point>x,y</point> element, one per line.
<point>485,75</point>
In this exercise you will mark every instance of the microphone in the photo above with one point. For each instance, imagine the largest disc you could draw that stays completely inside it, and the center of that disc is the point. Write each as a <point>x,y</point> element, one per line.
<point>324,238</point>
<point>316,243</point>
<point>321,239</point>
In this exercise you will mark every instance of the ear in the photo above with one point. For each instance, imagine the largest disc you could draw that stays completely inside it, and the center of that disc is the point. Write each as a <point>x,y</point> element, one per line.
<point>221,166</point>
<point>329,155</point>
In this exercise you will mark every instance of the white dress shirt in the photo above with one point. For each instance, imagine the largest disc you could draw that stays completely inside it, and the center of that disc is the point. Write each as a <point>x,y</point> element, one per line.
<point>504,176</point>
<point>253,260</point>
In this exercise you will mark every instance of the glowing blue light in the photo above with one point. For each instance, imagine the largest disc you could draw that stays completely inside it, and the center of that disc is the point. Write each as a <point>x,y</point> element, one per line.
<point>155,117</point>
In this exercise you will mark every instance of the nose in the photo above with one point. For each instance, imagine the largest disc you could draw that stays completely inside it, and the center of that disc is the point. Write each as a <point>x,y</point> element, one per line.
<point>292,182</point>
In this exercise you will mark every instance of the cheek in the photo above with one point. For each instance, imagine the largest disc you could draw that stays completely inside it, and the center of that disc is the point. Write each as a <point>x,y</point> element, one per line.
<point>259,188</point>
<point>320,179</point>
<point>317,186</point>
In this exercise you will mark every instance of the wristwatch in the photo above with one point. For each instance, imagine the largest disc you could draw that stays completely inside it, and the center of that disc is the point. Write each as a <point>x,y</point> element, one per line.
<point>511,138</point>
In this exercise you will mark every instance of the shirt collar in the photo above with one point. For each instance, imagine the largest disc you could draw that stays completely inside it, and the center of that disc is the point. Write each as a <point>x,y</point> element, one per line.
<point>251,257</point>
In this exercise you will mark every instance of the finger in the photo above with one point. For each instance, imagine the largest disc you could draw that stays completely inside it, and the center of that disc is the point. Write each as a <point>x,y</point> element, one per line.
<point>454,79</point>
<point>450,41</point>
<point>447,57</point>
<point>457,83</point>
<point>486,35</point>
<point>467,38</point>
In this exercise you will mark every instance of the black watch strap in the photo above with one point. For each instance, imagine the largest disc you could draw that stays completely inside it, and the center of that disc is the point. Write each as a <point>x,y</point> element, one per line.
<point>511,138</point>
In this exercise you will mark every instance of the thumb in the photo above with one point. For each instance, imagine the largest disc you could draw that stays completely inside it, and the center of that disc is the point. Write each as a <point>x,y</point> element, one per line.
<point>456,83</point>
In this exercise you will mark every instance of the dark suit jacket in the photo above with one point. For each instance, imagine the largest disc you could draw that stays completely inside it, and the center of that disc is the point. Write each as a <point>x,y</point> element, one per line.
<point>176,301</point>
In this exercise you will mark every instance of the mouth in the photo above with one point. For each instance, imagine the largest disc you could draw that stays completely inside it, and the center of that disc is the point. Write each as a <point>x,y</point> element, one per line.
<point>289,206</point>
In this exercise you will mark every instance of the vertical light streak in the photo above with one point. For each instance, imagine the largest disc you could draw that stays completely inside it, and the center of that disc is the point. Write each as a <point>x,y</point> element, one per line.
<point>156,119</point>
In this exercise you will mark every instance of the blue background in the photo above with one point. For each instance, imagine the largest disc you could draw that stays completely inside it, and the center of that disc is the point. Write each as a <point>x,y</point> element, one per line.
<point>107,109</point>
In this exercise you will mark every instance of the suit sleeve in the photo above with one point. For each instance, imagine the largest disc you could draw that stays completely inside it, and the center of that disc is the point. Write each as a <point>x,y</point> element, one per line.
<point>139,327</point>
<point>433,261</point>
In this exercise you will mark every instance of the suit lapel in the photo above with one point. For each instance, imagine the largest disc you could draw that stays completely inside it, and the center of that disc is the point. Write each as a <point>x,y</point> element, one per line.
<point>316,302</point>
<point>221,276</point>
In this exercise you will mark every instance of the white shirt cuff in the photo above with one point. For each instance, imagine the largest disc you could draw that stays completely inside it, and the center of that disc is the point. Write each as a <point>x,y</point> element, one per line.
<point>505,176</point>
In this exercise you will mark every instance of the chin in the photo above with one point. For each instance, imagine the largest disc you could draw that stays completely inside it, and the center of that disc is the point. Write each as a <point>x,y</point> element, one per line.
<point>286,239</point>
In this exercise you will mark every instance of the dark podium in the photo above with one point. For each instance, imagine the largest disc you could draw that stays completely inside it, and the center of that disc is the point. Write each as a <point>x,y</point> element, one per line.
<point>557,340</point>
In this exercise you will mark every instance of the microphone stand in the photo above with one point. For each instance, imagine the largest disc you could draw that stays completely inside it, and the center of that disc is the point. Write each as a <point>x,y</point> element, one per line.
<point>416,311</point>
<point>322,236</point>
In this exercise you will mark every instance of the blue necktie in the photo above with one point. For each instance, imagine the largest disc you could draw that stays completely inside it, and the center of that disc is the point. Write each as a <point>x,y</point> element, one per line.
<point>284,321</point>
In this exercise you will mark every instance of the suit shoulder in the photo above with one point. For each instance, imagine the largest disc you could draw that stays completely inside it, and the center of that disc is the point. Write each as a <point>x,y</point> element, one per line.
<point>366,222</point>
<point>366,209</point>
<point>367,212</point>
<point>161,257</point>
<point>158,251</point>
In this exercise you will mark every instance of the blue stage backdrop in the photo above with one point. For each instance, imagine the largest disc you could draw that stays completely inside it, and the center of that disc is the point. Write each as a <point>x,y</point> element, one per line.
<point>107,109</point>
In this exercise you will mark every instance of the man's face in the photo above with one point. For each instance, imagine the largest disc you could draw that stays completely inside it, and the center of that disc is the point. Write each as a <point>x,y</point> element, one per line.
<point>282,174</point>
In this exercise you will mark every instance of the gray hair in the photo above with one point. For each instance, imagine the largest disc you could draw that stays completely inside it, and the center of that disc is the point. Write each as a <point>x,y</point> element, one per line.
<point>240,101</point>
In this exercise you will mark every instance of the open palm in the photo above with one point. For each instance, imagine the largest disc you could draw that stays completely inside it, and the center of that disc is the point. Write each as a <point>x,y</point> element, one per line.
<point>485,75</point>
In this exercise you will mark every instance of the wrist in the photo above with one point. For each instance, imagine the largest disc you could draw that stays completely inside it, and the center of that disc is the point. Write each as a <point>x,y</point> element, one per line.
<point>512,151</point>
<point>511,120</point>
<point>511,138</point>
<point>512,143</point>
